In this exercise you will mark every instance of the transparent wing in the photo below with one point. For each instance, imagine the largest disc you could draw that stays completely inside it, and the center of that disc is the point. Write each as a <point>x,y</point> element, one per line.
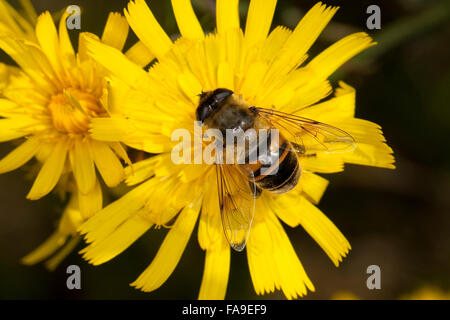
<point>308,136</point>
<point>237,204</point>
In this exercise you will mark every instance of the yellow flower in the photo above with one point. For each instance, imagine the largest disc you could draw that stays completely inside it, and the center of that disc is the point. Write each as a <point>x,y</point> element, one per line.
<point>266,70</point>
<point>46,104</point>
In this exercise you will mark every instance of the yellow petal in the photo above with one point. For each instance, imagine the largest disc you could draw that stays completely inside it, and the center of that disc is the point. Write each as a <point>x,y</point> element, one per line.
<point>116,31</point>
<point>71,218</point>
<point>32,61</point>
<point>309,28</point>
<point>225,76</point>
<point>19,156</point>
<point>272,260</point>
<point>261,264</point>
<point>91,202</point>
<point>305,96</point>
<point>170,250</point>
<point>274,42</point>
<point>190,173</point>
<point>210,230</point>
<point>64,39</point>
<point>29,10</point>
<point>147,28</point>
<point>342,106</point>
<point>48,39</point>
<point>119,149</point>
<point>286,206</point>
<point>190,85</point>
<point>259,20</point>
<point>107,163</point>
<point>117,242</point>
<point>372,155</point>
<point>151,115</point>
<point>253,80</point>
<point>313,185</point>
<point>18,23</point>
<point>46,249</point>
<point>7,17</point>
<point>187,20</point>
<point>11,129</point>
<point>304,35</point>
<point>139,54</point>
<point>298,90</point>
<point>202,61</point>
<point>83,40</point>
<point>111,129</point>
<point>8,108</point>
<point>323,163</point>
<point>50,172</point>
<point>215,274</point>
<point>227,15</point>
<point>294,281</point>
<point>143,170</point>
<point>57,240</point>
<point>52,263</point>
<point>156,144</point>
<point>159,217</point>
<point>116,62</point>
<point>102,224</point>
<point>372,149</point>
<point>323,231</point>
<point>340,52</point>
<point>295,210</point>
<point>83,166</point>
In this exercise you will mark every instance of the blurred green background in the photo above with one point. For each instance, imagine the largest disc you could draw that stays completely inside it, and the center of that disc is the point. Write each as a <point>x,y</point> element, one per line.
<point>399,220</point>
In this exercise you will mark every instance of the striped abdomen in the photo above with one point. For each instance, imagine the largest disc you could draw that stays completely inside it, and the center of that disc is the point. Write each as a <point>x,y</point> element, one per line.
<point>280,171</point>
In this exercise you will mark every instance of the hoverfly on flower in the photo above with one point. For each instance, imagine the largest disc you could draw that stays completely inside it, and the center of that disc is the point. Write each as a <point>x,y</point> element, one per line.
<point>276,168</point>
<point>268,70</point>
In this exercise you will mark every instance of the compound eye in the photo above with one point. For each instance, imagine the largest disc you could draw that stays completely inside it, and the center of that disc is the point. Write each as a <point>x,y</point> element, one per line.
<point>222,94</point>
<point>202,113</point>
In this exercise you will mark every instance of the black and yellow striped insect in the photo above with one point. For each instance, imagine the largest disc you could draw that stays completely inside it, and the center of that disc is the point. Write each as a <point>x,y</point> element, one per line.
<point>277,167</point>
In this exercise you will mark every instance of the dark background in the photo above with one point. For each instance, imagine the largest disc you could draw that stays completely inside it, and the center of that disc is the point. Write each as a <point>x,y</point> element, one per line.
<point>397,219</point>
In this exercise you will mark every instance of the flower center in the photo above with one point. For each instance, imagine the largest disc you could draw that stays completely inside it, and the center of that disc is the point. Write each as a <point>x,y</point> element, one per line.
<point>72,109</point>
